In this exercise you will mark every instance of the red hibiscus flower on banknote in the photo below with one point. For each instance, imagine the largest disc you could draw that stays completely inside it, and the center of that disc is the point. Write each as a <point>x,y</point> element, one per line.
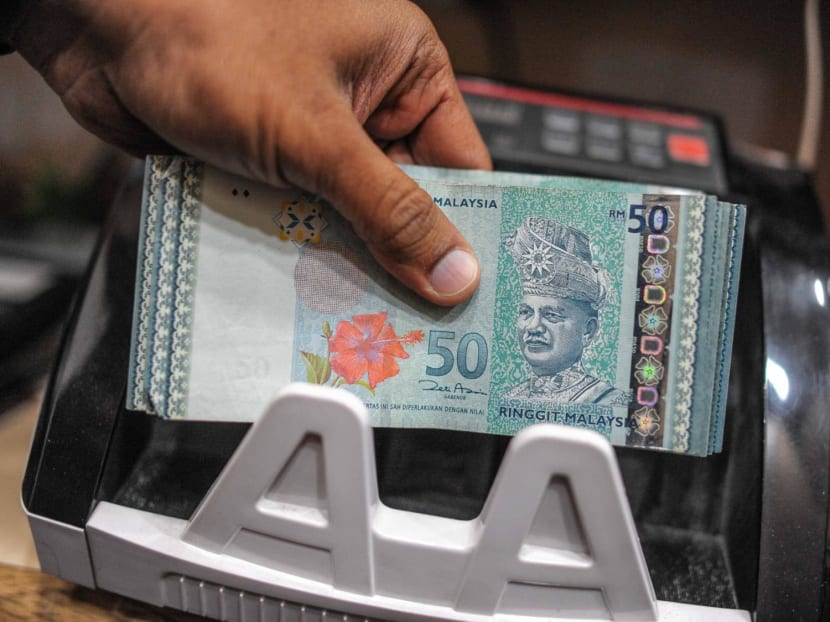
<point>367,347</point>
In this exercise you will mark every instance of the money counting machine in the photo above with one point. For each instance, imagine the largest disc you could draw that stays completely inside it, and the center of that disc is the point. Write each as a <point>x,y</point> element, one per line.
<point>311,514</point>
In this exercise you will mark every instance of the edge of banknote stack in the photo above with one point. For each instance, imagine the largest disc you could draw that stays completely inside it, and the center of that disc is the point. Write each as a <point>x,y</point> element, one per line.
<point>162,309</point>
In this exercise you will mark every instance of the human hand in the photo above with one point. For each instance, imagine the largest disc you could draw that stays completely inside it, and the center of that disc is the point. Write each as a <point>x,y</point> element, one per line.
<point>303,92</point>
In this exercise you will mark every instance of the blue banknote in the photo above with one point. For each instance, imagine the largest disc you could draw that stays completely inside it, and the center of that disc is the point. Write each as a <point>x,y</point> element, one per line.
<point>603,305</point>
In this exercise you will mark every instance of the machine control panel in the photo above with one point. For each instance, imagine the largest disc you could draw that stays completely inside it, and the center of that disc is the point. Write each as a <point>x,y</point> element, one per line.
<point>534,129</point>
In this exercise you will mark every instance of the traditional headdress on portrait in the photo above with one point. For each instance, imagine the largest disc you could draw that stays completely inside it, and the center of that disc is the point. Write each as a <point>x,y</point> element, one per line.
<point>555,260</point>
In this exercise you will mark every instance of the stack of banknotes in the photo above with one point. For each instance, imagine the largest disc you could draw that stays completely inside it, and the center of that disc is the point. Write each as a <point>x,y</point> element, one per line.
<point>602,305</point>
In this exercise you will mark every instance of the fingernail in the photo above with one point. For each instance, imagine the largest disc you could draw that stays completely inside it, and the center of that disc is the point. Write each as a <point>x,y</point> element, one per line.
<point>454,272</point>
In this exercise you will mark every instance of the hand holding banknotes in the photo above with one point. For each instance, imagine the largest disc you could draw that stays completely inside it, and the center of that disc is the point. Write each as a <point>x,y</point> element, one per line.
<point>308,93</point>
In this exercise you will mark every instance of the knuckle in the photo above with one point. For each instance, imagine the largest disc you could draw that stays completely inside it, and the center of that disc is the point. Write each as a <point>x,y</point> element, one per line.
<point>401,225</point>
<point>306,152</point>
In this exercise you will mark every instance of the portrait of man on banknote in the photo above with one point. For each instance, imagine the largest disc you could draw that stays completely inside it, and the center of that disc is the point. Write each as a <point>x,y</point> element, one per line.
<point>557,317</point>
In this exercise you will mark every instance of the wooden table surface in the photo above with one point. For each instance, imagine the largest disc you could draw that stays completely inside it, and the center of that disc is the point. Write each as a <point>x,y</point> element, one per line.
<point>16,425</point>
<point>29,595</point>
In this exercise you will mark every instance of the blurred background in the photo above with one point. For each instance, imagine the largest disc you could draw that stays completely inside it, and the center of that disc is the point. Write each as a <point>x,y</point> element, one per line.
<point>743,61</point>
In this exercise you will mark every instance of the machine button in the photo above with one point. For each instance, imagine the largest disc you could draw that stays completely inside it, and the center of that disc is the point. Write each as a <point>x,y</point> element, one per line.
<point>604,127</point>
<point>564,144</point>
<point>607,150</point>
<point>645,133</point>
<point>689,149</point>
<point>561,120</point>
<point>503,140</point>
<point>646,155</point>
<point>508,114</point>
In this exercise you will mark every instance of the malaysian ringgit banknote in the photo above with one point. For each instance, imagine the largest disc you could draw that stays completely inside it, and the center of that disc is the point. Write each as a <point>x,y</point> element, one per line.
<point>602,305</point>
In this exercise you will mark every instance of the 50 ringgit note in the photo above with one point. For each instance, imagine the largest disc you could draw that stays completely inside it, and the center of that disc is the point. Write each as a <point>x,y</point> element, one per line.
<point>590,311</point>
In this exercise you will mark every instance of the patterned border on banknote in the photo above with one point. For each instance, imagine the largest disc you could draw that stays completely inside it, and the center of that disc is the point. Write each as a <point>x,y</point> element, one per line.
<point>713,258</point>
<point>688,329</point>
<point>179,373</point>
<point>168,244</point>
<point>142,311</point>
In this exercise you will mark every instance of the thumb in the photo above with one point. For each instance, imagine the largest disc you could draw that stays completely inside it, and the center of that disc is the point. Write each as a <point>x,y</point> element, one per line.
<point>401,225</point>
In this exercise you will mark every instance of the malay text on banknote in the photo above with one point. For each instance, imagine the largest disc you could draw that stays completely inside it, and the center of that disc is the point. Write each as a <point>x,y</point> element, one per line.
<point>589,310</point>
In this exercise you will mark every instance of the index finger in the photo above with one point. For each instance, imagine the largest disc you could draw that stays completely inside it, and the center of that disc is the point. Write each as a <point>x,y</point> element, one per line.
<point>449,137</point>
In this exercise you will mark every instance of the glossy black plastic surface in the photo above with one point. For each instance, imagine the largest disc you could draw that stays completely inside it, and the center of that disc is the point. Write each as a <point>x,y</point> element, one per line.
<point>82,400</point>
<point>796,332</point>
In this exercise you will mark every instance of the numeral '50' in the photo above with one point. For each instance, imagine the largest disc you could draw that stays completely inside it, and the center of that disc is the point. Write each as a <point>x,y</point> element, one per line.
<point>658,218</point>
<point>461,358</point>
